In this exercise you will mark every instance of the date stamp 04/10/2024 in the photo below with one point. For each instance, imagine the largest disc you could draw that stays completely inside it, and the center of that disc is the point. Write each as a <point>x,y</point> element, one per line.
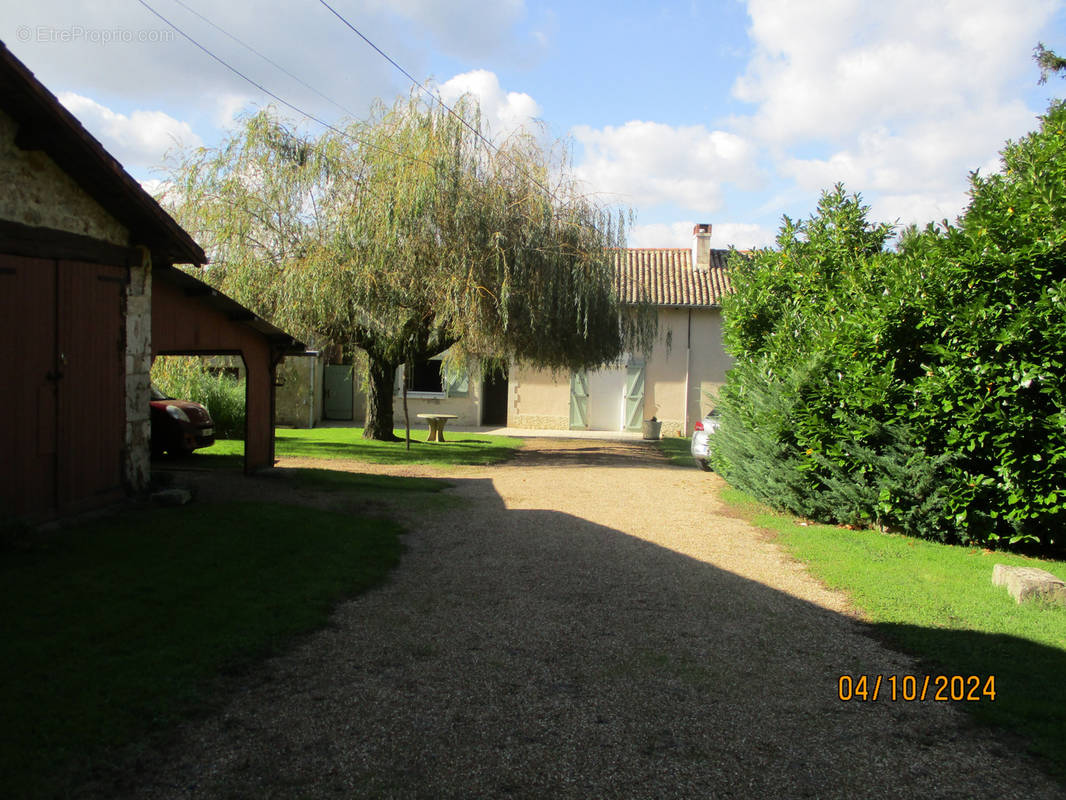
<point>917,688</point>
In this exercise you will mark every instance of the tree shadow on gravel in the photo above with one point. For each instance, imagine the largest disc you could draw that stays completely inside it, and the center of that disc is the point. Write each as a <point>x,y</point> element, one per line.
<point>532,653</point>
<point>590,453</point>
<point>962,661</point>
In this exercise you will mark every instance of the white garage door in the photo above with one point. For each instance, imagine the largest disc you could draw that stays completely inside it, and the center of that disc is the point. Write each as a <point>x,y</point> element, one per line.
<point>607,397</point>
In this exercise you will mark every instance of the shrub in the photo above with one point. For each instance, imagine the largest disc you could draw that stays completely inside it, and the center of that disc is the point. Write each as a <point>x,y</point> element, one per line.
<point>814,383</point>
<point>189,378</point>
<point>994,371</point>
<point>922,390</point>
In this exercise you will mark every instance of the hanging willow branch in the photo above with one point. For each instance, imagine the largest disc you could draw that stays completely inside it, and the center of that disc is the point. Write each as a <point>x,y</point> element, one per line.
<point>407,236</point>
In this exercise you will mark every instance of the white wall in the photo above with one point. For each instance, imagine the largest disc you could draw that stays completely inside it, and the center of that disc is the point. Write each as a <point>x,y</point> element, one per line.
<point>686,362</point>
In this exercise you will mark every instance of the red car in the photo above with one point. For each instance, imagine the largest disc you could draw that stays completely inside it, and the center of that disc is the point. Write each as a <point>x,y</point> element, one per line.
<point>179,426</point>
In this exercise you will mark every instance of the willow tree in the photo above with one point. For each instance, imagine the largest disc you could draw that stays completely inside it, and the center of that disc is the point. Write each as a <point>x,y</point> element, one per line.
<point>406,235</point>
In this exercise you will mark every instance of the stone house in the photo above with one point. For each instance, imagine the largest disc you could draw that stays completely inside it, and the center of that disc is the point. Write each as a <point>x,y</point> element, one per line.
<point>674,383</point>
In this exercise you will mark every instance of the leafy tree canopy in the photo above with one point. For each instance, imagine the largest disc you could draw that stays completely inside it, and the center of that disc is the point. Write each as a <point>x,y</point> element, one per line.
<point>1048,62</point>
<point>922,390</point>
<point>406,235</point>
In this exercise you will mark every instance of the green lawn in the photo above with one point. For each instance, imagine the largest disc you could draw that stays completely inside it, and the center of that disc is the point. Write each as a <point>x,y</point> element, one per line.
<point>116,629</point>
<point>386,489</point>
<point>331,443</point>
<point>676,448</point>
<point>937,602</point>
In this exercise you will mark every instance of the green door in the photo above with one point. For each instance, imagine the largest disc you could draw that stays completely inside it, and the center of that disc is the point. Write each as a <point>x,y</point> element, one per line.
<point>634,397</point>
<point>579,401</point>
<point>337,384</point>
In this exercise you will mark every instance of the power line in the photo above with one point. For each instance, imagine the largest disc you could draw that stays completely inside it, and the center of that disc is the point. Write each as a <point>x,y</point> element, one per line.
<point>438,99</point>
<point>386,56</point>
<point>323,123</point>
<point>237,72</point>
<point>267,59</point>
<point>280,99</point>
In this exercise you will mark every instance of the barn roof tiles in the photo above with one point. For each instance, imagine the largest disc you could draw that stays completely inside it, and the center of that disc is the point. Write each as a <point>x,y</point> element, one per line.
<point>664,276</point>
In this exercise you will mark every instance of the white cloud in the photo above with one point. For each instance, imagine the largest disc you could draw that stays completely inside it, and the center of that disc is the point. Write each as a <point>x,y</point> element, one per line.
<point>928,165</point>
<point>743,236</point>
<point>138,140</point>
<point>502,112</point>
<point>117,49</point>
<point>155,187</point>
<point>831,69</point>
<point>900,101</point>
<point>228,105</point>
<point>918,208</point>
<point>660,234</point>
<point>679,234</point>
<point>649,163</point>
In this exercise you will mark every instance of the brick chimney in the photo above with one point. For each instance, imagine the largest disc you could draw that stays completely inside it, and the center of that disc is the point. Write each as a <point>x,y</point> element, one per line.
<point>701,246</point>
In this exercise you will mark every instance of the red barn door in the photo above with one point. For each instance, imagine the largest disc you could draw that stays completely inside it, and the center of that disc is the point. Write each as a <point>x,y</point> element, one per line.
<point>62,406</point>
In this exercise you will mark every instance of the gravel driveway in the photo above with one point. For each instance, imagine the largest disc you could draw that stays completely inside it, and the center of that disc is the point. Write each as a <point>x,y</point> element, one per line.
<point>586,625</point>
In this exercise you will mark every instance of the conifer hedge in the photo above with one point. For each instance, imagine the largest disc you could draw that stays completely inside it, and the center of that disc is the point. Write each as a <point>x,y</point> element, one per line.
<point>918,388</point>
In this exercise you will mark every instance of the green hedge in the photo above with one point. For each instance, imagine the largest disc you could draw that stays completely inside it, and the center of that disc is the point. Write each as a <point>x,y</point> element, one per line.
<point>919,389</point>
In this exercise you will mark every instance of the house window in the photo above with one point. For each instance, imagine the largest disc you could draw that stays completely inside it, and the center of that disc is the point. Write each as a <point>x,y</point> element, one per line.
<point>432,378</point>
<point>426,376</point>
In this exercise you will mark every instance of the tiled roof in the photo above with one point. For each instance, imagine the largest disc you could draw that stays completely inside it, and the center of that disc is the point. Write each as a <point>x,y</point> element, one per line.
<point>667,278</point>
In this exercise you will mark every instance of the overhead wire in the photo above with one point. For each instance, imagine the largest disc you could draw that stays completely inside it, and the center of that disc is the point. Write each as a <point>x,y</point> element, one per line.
<point>266,58</point>
<point>277,97</point>
<point>308,115</point>
<point>437,98</point>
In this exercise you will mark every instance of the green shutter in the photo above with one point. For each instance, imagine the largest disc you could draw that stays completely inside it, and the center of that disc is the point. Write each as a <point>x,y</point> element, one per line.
<point>456,384</point>
<point>634,397</point>
<point>579,401</point>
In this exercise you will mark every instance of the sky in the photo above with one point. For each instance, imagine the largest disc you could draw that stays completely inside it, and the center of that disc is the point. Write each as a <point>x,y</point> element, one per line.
<point>728,112</point>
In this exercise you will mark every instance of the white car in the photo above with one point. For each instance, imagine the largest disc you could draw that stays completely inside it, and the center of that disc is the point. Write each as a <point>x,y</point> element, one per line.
<point>701,439</point>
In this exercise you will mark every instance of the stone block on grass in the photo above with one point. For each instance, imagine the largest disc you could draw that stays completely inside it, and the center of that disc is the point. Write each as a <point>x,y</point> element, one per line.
<point>1030,583</point>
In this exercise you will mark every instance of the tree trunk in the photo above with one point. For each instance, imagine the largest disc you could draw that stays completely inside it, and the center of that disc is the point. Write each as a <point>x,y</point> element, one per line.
<point>379,401</point>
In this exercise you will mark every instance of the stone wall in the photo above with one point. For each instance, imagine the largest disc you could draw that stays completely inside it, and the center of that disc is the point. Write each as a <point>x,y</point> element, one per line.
<point>38,193</point>
<point>540,422</point>
<point>466,409</point>
<point>538,399</point>
<point>138,378</point>
<point>671,428</point>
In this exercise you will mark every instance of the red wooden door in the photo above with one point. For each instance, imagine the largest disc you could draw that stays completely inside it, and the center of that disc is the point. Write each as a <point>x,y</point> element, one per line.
<point>62,406</point>
<point>28,398</point>
<point>91,357</point>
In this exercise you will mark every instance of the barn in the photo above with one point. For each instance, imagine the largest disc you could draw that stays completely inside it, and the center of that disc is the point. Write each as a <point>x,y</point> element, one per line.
<point>81,247</point>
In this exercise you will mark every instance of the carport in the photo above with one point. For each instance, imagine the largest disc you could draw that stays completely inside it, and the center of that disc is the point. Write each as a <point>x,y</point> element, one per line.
<point>88,296</point>
<point>189,318</point>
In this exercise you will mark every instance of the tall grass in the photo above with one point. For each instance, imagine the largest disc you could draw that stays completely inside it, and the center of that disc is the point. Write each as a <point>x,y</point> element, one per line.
<point>189,378</point>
